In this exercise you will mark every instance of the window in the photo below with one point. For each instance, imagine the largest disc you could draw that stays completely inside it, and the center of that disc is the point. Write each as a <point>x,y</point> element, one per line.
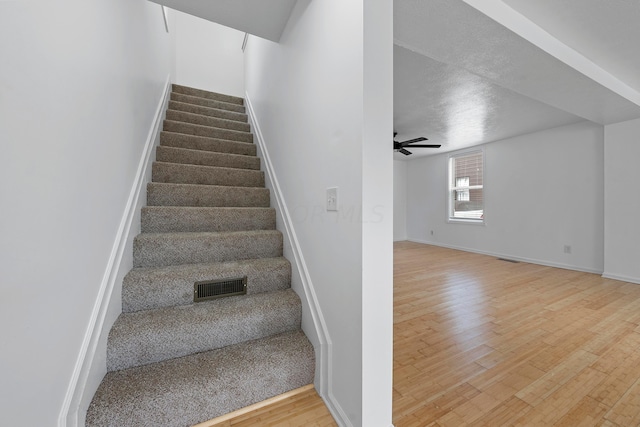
<point>466,202</point>
<point>462,195</point>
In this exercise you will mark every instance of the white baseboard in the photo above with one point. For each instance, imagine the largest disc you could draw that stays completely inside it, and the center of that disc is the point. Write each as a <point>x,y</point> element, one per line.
<point>621,278</point>
<point>515,258</point>
<point>324,362</point>
<point>70,415</point>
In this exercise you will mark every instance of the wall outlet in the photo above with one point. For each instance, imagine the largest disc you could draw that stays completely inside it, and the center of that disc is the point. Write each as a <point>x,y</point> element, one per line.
<point>332,199</point>
<point>431,232</point>
<point>567,249</point>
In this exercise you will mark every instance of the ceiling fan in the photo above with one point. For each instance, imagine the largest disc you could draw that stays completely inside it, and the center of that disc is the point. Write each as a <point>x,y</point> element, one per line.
<point>401,146</point>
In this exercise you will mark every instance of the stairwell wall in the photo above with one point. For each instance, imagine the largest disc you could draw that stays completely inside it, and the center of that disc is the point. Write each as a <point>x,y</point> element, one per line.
<point>79,88</point>
<point>208,55</point>
<point>322,100</point>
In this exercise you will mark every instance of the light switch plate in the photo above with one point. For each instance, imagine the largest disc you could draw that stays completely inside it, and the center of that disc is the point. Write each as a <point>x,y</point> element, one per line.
<point>332,199</point>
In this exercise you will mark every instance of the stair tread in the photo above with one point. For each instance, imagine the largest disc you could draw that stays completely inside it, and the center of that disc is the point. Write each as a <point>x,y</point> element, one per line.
<point>155,335</point>
<point>208,111</point>
<point>205,234</point>
<point>207,94</point>
<point>181,173</point>
<point>207,131</point>
<point>155,249</point>
<point>209,208</point>
<point>163,219</point>
<point>212,168</point>
<point>169,194</point>
<point>204,120</point>
<point>206,102</point>
<point>206,158</point>
<point>153,287</point>
<point>195,388</point>
<point>204,143</point>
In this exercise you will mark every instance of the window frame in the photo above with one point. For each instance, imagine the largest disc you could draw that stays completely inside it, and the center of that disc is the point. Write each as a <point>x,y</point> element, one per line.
<point>451,189</point>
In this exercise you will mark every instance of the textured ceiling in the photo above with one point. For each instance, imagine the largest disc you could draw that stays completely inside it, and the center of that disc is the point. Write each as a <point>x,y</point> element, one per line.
<point>456,108</point>
<point>463,79</point>
<point>606,32</point>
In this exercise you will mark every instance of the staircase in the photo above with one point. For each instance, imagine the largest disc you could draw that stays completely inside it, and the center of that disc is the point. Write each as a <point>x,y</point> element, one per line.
<point>173,362</point>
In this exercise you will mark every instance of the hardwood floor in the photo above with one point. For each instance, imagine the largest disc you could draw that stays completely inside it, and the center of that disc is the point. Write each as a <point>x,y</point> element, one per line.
<point>301,407</point>
<point>484,342</point>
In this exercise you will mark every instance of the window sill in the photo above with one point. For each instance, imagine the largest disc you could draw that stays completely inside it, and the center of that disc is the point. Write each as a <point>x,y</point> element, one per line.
<point>466,221</point>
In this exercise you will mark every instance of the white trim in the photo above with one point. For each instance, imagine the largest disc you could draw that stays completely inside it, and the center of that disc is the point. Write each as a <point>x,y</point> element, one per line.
<point>69,413</point>
<point>530,31</point>
<point>509,256</point>
<point>621,278</point>
<point>324,362</point>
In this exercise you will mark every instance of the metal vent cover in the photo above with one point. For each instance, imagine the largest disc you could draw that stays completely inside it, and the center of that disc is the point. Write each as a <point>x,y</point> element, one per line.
<point>212,289</point>
<point>509,260</point>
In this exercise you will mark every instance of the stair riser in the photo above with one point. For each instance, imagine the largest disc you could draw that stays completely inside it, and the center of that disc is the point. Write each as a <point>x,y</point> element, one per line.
<point>154,250</point>
<point>175,173</point>
<point>206,131</point>
<point>206,158</point>
<point>197,119</point>
<point>206,111</point>
<point>186,391</point>
<point>153,336</point>
<point>175,219</point>
<point>204,102</point>
<point>159,194</point>
<point>206,94</point>
<point>146,289</point>
<point>193,142</point>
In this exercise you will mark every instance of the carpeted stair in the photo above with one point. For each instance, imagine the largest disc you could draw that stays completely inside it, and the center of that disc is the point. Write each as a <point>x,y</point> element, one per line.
<point>173,362</point>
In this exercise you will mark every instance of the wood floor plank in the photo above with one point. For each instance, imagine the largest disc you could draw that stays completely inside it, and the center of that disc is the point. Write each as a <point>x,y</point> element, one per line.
<point>552,346</point>
<point>626,411</point>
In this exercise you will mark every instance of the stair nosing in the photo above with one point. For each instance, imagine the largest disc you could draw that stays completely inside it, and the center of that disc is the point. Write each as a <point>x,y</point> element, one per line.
<point>241,99</point>
<point>211,127</point>
<point>129,332</point>
<point>239,187</point>
<point>199,101</point>
<point>247,208</point>
<point>255,156</point>
<point>188,165</point>
<point>245,119</point>
<point>206,137</point>
<point>208,366</point>
<point>186,234</point>
<point>210,117</point>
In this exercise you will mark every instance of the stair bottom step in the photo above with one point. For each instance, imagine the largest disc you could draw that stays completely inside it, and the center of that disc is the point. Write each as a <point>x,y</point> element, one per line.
<point>192,389</point>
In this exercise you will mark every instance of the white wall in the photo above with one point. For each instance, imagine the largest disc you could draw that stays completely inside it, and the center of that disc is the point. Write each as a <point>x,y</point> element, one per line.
<point>323,123</point>
<point>399,200</point>
<point>622,204</point>
<point>208,55</point>
<point>79,87</point>
<point>542,191</point>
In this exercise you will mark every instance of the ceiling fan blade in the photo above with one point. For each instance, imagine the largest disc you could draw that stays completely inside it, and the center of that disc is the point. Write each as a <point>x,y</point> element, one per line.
<point>411,141</point>
<point>405,152</point>
<point>425,146</point>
